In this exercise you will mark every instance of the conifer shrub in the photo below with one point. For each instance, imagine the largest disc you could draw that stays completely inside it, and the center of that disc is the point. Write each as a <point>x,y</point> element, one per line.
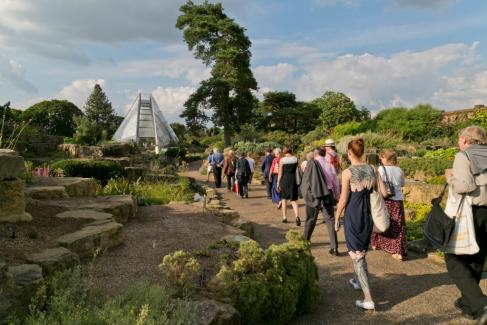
<point>270,286</point>
<point>182,271</point>
<point>101,170</point>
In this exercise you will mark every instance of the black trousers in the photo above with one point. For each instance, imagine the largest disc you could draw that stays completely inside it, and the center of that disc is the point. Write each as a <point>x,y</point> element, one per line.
<point>268,187</point>
<point>243,186</point>
<point>230,182</point>
<point>217,173</point>
<point>466,270</point>
<point>327,206</point>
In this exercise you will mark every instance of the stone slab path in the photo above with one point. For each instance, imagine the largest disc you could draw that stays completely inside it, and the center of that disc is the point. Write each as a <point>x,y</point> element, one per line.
<point>416,291</point>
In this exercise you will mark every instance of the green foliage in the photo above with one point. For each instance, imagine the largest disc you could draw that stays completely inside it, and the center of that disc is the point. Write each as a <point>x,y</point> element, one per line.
<point>439,180</point>
<point>280,111</point>
<point>87,131</point>
<point>99,111</point>
<point>175,152</point>
<point>480,117</point>
<point>271,286</point>
<point>430,166</point>
<point>292,141</point>
<point>372,140</point>
<point>258,148</point>
<point>149,192</point>
<point>319,133</point>
<point>28,171</point>
<point>337,109</point>
<point>55,117</point>
<point>182,272</point>
<point>349,128</point>
<point>416,124</point>
<point>221,43</point>
<point>101,170</point>
<point>414,228</point>
<point>66,298</point>
<point>448,153</point>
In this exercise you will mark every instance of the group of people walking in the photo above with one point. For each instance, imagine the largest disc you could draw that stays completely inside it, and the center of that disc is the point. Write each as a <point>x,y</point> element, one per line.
<point>316,180</point>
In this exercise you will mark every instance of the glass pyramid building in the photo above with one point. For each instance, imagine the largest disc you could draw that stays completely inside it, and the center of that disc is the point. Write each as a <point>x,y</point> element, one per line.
<point>145,124</point>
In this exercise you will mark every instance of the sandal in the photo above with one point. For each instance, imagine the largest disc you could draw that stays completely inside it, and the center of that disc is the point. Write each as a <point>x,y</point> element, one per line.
<point>284,220</point>
<point>298,221</point>
<point>279,206</point>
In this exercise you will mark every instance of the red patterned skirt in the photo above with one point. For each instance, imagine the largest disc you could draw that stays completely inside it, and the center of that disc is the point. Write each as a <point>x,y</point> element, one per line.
<point>394,239</point>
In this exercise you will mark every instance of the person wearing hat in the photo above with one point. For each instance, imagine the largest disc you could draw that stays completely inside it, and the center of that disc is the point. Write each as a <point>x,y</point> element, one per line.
<point>332,155</point>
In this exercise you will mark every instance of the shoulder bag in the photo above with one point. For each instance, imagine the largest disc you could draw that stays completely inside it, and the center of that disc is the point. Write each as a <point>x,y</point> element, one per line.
<point>388,184</point>
<point>378,209</point>
<point>438,227</point>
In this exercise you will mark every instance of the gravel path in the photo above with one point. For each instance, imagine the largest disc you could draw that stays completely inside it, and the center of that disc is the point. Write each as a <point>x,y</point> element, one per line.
<point>416,291</point>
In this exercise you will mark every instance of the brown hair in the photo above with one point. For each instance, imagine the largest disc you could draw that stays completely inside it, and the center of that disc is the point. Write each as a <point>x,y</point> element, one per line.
<point>389,155</point>
<point>287,150</point>
<point>357,147</point>
<point>474,135</point>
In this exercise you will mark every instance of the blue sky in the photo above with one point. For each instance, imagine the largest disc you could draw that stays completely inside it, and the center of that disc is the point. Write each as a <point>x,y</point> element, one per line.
<point>380,53</point>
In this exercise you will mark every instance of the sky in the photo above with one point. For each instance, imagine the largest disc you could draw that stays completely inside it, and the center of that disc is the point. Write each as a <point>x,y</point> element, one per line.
<point>381,53</point>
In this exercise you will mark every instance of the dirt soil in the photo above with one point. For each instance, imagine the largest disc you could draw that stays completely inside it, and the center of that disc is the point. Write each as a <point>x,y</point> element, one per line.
<point>416,291</point>
<point>33,237</point>
<point>155,232</point>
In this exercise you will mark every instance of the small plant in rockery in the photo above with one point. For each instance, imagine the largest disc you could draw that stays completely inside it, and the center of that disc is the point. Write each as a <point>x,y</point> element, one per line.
<point>414,228</point>
<point>270,286</point>
<point>448,154</point>
<point>101,170</point>
<point>182,272</point>
<point>431,167</point>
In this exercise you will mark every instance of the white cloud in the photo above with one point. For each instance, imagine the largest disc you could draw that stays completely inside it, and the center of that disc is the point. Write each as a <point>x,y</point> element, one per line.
<point>171,100</point>
<point>334,2</point>
<point>13,74</point>
<point>78,91</point>
<point>57,29</point>
<point>445,76</point>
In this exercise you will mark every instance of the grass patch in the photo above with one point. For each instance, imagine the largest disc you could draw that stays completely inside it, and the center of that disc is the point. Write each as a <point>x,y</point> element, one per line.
<point>148,192</point>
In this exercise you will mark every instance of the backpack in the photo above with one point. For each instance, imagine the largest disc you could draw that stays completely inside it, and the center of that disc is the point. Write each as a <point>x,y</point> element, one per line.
<point>243,167</point>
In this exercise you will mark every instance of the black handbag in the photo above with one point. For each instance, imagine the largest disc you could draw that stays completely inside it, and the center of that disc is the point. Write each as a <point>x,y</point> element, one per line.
<point>389,186</point>
<point>438,227</point>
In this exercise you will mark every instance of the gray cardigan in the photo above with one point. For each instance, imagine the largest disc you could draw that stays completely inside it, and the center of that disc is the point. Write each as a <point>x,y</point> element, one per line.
<point>313,184</point>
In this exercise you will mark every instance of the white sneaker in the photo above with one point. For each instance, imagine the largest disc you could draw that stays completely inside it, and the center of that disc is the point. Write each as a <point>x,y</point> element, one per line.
<point>369,305</point>
<point>355,284</point>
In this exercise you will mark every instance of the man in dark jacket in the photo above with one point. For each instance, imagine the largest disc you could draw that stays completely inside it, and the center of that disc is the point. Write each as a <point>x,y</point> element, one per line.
<point>315,193</point>
<point>243,175</point>
<point>266,167</point>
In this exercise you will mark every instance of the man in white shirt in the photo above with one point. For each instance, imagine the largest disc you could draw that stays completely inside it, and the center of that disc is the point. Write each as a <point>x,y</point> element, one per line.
<point>252,168</point>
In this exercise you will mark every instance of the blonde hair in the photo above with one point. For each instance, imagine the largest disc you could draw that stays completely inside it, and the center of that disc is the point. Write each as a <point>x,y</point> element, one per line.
<point>389,155</point>
<point>474,135</point>
<point>277,151</point>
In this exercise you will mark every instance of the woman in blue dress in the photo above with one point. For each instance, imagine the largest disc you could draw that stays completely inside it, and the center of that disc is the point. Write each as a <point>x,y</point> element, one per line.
<point>358,181</point>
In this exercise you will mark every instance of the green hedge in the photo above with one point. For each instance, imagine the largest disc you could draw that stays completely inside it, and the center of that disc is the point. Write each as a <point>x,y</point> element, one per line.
<point>102,170</point>
<point>430,166</point>
<point>175,152</point>
<point>271,286</point>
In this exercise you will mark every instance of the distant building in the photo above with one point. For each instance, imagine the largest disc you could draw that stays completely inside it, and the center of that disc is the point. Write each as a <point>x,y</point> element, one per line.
<point>145,124</point>
<point>461,114</point>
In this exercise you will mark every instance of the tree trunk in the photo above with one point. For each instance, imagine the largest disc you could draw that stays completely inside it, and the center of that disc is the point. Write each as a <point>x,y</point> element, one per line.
<point>226,137</point>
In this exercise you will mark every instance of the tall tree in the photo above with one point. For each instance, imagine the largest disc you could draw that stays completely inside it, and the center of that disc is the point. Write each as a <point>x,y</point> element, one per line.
<point>221,44</point>
<point>280,111</point>
<point>99,111</point>
<point>55,117</point>
<point>338,108</point>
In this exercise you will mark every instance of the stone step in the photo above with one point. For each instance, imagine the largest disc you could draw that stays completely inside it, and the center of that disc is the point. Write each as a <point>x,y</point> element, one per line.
<point>54,260</point>
<point>85,215</point>
<point>46,192</point>
<point>74,186</point>
<point>87,240</point>
<point>12,201</point>
<point>26,275</point>
<point>122,207</point>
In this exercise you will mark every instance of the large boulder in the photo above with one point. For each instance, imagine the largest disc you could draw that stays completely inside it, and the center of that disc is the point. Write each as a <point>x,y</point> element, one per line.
<point>46,192</point>
<point>226,216</point>
<point>12,201</point>
<point>211,312</point>
<point>74,186</point>
<point>11,165</point>
<point>246,226</point>
<point>54,259</point>
<point>27,278</point>
<point>87,240</point>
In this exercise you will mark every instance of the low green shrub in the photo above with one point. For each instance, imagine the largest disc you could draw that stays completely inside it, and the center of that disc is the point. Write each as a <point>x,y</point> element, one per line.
<point>270,286</point>
<point>175,152</point>
<point>182,271</point>
<point>66,298</point>
<point>101,170</point>
<point>350,128</point>
<point>258,148</point>
<point>430,166</point>
<point>414,228</point>
<point>440,180</point>
<point>372,140</point>
<point>448,153</point>
<point>147,192</point>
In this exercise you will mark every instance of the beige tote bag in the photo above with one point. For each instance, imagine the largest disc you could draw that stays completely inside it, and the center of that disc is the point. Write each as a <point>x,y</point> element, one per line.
<point>380,214</point>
